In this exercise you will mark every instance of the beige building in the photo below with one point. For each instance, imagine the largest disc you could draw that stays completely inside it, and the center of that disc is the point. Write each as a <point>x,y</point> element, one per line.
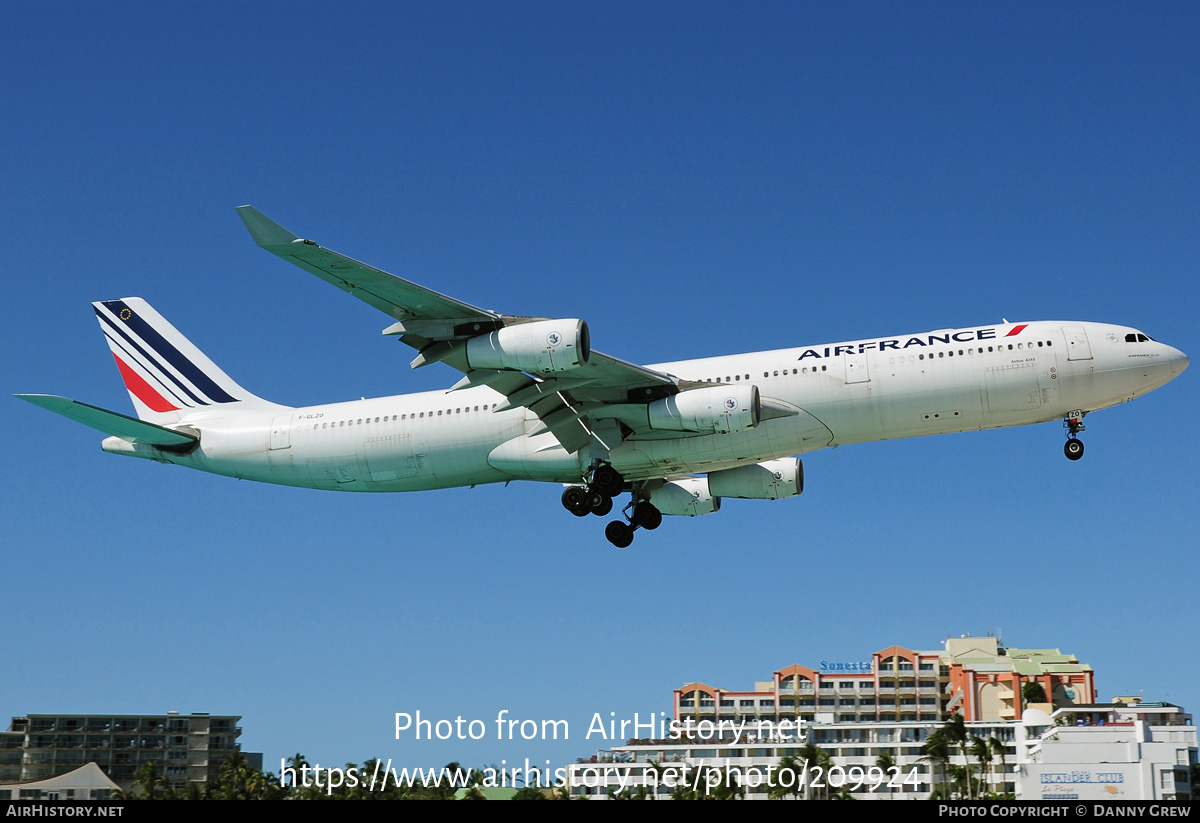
<point>976,677</point>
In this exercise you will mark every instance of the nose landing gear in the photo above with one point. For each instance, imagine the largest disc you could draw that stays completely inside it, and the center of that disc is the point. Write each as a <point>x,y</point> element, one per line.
<point>1073,423</point>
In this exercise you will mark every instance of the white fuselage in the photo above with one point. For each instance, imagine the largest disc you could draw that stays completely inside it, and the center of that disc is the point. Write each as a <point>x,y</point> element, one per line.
<point>905,386</point>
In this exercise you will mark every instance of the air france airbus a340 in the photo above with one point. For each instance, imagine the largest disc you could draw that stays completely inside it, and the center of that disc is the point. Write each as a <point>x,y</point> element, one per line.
<point>536,403</point>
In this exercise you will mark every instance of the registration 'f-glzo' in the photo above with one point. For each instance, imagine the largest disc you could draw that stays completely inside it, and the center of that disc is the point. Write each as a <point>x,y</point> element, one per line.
<point>536,403</point>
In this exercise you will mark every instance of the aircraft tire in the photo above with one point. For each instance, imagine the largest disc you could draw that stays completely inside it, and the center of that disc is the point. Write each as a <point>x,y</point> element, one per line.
<point>619,533</point>
<point>1073,449</point>
<point>647,516</point>
<point>600,504</point>
<point>607,480</point>
<point>575,500</point>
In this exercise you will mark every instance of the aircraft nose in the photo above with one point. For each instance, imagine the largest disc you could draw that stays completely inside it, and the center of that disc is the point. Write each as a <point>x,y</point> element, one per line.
<point>1179,360</point>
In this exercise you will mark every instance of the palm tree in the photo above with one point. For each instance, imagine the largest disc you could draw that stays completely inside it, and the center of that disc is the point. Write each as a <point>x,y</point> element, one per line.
<point>727,788</point>
<point>812,757</point>
<point>885,762</point>
<point>960,777</point>
<point>782,787</point>
<point>982,752</point>
<point>996,745</point>
<point>683,786</point>
<point>154,786</point>
<point>936,751</point>
<point>955,732</point>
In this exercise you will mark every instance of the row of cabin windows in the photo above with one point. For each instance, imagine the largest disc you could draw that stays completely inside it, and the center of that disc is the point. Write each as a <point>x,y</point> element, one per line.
<point>387,418</point>
<point>948,353</point>
<point>729,379</point>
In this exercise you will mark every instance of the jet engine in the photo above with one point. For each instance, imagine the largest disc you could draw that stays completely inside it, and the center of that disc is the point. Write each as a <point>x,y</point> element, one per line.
<point>541,346</point>
<point>687,497</point>
<point>717,409</point>
<point>763,481</point>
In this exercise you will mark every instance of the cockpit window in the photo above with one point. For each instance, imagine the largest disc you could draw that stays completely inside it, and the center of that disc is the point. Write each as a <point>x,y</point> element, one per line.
<point>1136,338</point>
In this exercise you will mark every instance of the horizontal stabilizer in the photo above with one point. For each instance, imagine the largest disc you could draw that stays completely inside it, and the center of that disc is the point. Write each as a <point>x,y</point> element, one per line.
<point>112,423</point>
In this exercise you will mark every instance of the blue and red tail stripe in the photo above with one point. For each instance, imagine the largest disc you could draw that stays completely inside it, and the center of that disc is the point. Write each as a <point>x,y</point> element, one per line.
<point>160,353</point>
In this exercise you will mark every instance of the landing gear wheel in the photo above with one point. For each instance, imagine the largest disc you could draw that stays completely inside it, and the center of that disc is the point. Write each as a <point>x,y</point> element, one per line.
<point>599,504</point>
<point>619,534</point>
<point>576,500</point>
<point>647,516</point>
<point>1073,449</point>
<point>607,480</point>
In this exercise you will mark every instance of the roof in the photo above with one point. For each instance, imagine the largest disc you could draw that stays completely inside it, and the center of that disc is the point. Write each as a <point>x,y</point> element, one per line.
<point>87,776</point>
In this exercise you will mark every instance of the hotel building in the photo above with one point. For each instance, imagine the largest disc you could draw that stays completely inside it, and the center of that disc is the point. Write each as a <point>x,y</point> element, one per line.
<point>883,708</point>
<point>186,748</point>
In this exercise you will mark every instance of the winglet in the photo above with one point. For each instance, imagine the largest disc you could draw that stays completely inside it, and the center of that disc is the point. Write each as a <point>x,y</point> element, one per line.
<point>265,231</point>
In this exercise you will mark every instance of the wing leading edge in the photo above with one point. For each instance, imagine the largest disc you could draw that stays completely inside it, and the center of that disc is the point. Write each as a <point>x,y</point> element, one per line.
<point>438,327</point>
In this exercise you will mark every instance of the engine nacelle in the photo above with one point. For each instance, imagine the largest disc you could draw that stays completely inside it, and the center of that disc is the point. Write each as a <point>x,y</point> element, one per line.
<point>688,497</point>
<point>542,346</point>
<point>717,409</point>
<point>763,481</point>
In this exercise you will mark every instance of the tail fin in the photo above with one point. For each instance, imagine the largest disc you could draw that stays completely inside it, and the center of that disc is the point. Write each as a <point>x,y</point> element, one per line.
<point>168,378</point>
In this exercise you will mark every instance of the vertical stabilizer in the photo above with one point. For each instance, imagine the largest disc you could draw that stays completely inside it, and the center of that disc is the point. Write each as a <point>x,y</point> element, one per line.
<point>168,378</point>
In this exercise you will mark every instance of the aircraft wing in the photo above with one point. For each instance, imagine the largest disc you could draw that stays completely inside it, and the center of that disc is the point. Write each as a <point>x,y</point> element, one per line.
<point>438,327</point>
<point>390,294</point>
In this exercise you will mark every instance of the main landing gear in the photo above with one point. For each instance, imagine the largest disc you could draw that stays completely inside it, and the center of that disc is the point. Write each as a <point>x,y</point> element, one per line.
<point>596,497</point>
<point>1073,423</point>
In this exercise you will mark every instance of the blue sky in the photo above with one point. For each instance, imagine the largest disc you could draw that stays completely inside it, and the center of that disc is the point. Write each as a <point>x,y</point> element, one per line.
<point>693,179</point>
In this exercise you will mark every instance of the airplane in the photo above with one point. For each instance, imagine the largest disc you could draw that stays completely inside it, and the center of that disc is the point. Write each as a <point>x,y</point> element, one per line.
<point>537,403</point>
